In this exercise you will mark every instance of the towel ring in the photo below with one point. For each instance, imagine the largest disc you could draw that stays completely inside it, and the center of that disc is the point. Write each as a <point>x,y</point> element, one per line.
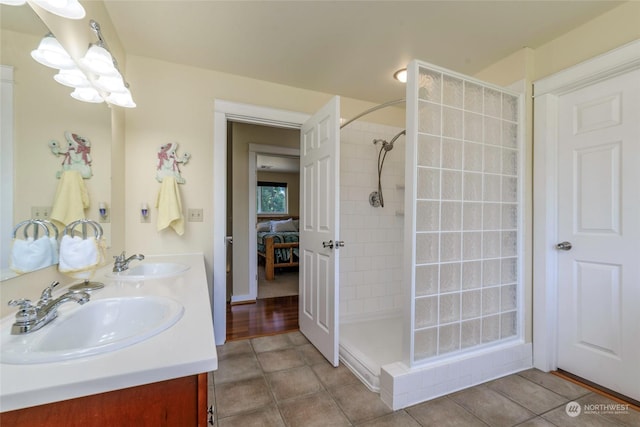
<point>50,226</point>
<point>97,229</point>
<point>36,224</point>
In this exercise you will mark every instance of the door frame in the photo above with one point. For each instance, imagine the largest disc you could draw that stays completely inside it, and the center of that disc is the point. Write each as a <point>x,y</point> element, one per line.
<point>225,111</point>
<point>545,182</point>
<point>6,169</point>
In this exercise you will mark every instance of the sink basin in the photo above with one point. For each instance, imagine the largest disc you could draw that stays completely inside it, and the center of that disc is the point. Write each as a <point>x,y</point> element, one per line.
<point>151,270</point>
<point>97,327</point>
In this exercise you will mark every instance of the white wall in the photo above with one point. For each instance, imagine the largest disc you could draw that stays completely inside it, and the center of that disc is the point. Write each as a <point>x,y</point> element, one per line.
<point>371,260</point>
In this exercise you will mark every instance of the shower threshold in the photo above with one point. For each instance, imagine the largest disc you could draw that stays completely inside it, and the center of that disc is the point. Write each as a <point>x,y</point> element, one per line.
<point>367,345</point>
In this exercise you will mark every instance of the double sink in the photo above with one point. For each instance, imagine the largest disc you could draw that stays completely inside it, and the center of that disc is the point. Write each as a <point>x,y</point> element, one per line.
<point>101,325</point>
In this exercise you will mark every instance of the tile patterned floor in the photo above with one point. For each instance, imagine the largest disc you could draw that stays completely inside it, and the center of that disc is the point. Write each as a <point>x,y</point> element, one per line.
<point>282,380</point>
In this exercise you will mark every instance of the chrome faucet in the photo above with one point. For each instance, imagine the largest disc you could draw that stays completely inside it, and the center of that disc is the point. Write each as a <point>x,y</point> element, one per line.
<point>121,263</point>
<point>31,317</point>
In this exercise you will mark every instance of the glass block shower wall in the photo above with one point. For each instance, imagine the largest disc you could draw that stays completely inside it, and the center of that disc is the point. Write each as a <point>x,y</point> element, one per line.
<point>466,215</point>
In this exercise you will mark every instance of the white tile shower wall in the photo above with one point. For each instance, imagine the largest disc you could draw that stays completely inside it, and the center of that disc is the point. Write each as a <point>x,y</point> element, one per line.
<point>371,260</point>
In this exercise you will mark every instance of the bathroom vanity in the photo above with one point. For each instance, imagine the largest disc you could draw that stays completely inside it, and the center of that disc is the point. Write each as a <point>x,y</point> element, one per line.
<point>158,378</point>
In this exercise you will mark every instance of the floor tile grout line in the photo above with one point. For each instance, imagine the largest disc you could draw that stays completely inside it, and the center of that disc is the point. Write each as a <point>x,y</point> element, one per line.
<point>324,387</point>
<point>276,402</point>
<point>520,404</point>
<point>551,390</point>
<point>448,396</point>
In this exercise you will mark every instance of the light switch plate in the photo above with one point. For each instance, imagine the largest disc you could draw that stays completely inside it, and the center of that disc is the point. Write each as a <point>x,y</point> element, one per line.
<point>194,215</point>
<point>40,212</point>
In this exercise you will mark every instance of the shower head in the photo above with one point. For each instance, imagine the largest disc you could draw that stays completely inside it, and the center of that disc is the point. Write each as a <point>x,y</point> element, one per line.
<point>386,146</point>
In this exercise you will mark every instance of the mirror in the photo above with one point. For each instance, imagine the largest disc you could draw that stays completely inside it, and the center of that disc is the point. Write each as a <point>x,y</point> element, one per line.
<point>44,111</point>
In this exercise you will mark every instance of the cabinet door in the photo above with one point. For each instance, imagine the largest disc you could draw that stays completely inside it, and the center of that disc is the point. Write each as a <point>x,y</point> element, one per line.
<point>177,402</point>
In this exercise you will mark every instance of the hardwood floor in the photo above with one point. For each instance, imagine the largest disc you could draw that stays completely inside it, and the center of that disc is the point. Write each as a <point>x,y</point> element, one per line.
<point>268,316</point>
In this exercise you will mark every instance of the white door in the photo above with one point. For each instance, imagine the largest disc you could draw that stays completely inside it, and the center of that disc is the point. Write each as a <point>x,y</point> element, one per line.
<point>599,217</point>
<point>319,228</point>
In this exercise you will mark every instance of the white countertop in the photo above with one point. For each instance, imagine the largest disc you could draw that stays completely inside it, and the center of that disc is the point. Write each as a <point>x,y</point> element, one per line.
<point>186,348</point>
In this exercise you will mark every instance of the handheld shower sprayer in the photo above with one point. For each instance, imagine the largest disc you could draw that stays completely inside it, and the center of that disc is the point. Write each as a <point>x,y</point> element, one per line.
<point>375,198</point>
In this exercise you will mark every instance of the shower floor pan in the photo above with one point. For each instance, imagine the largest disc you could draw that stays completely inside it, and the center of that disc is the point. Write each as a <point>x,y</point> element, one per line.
<point>366,346</point>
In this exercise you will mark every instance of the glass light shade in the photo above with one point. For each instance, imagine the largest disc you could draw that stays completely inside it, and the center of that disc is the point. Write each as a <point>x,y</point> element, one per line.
<point>401,75</point>
<point>99,61</point>
<point>72,78</point>
<point>87,94</point>
<point>71,9</point>
<point>51,53</point>
<point>122,99</point>
<point>112,84</point>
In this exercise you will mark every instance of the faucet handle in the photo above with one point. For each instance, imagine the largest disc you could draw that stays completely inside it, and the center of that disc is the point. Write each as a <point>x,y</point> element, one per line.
<point>119,258</point>
<point>46,293</point>
<point>22,302</point>
<point>27,311</point>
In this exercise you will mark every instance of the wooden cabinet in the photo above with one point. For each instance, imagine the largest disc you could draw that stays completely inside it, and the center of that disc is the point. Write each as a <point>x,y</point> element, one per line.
<point>176,402</point>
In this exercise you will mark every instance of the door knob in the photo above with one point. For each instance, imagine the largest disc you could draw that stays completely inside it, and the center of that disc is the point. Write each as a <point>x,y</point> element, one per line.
<point>328,244</point>
<point>564,246</point>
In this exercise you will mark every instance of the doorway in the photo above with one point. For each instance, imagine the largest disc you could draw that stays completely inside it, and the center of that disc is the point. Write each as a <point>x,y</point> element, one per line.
<point>587,234</point>
<point>226,112</point>
<point>262,189</point>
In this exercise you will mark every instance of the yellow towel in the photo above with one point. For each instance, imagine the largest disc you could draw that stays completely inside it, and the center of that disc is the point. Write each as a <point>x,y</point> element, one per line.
<point>170,206</point>
<point>71,198</point>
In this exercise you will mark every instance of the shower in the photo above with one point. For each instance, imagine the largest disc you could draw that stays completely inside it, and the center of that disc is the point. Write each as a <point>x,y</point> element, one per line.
<point>431,297</point>
<point>376,198</point>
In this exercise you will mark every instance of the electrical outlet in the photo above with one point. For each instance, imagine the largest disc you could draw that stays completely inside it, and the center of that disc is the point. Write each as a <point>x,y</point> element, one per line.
<point>40,212</point>
<point>194,215</point>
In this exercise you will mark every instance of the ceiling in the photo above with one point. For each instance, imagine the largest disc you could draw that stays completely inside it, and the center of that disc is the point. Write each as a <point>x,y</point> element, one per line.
<point>349,48</point>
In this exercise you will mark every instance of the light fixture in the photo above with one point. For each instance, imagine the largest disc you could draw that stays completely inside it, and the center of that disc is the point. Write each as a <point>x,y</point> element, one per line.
<point>51,53</point>
<point>71,9</point>
<point>87,94</point>
<point>111,84</point>
<point>121,99</point>
<point>73,77</point>
<point>99,61</point>
<point>97,79</point>
<point>401,75</point>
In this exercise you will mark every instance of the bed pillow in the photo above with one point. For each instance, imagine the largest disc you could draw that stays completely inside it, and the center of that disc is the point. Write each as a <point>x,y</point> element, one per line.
<point>264,226</point>
<point>280,226</point>
<point>296,224</point>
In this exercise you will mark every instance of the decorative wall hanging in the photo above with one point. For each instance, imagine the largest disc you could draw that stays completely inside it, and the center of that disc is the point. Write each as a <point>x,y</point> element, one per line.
<point>77,155</point>
<point>169,162</point>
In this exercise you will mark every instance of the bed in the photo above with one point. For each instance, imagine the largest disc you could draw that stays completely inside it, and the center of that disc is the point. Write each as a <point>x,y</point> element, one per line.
<point>278,242</point>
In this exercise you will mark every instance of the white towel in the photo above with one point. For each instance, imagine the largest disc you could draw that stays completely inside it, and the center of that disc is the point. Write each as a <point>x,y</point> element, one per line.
<point>79,257</point>
<point>29,255</point>
<point>71,198</point>
<point>170,206</point>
